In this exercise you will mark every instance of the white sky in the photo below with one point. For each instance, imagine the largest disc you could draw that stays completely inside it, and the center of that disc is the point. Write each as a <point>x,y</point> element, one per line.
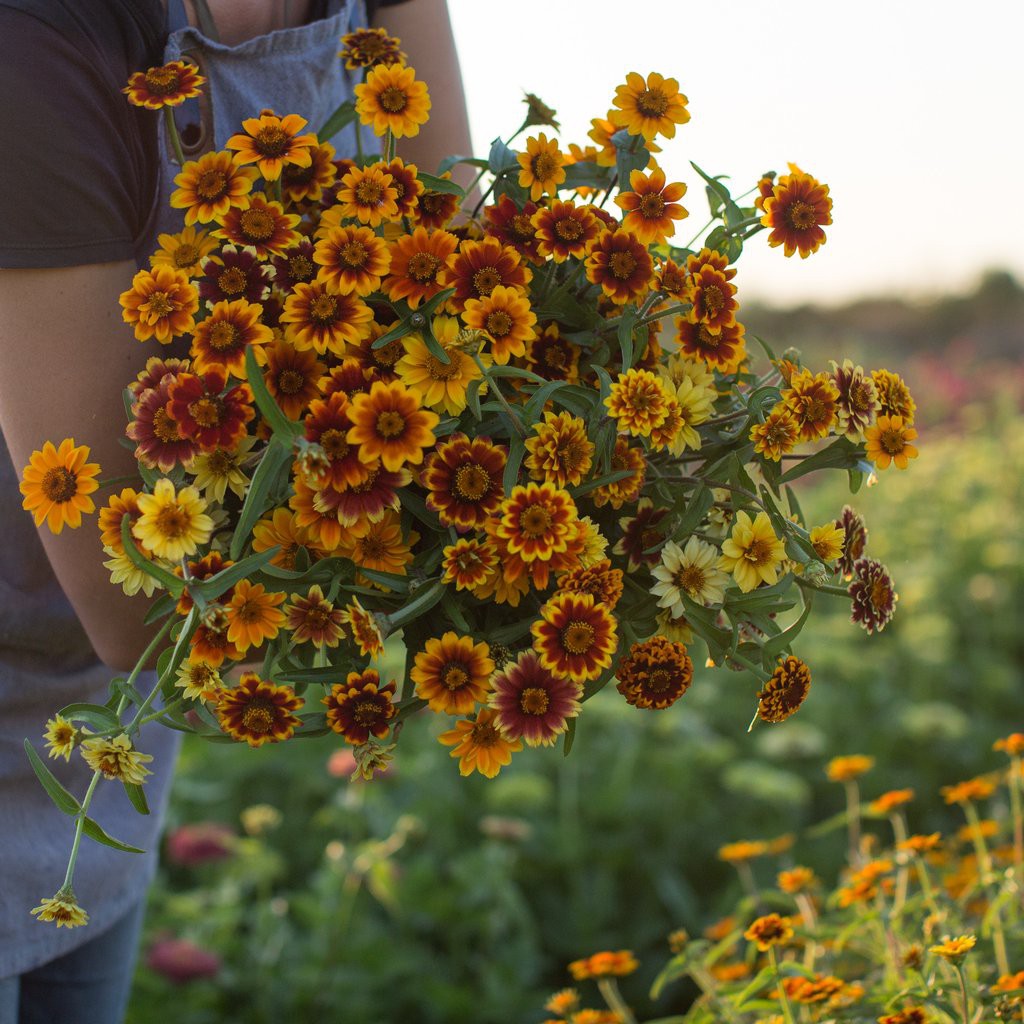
<point>909,110</point>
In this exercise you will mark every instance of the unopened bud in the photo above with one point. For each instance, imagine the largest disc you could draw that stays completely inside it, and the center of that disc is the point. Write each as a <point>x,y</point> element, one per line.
<point>817,574</point>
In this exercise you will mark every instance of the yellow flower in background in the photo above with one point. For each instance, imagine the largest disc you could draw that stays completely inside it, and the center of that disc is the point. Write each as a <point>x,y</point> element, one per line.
<point>391,99</point>
<point>543,166</point>
<point>743,850</point>
<point>954,950</point>
<point>172,523</point>
<point>62,909</point>
<point>57,483</point>
<point>649,107</point>
<point>117,758</point>
<point>752,553</point>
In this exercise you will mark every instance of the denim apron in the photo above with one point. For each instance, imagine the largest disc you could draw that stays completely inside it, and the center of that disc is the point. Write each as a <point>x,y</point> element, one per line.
<point>46,660</point>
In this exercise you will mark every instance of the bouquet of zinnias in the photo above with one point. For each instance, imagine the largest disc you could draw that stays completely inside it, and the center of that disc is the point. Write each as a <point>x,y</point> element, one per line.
<point>521,434</point>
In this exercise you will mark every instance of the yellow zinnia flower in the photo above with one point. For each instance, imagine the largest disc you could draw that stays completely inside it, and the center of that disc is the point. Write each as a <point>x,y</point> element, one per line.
<point>57,483</point>
<point>117,758</point>
<point>439,386</point>
<point>753,553</point>
<point>391,99</point>
<point>542,166</point>
<point>172,524</point>
<point>63,909</point>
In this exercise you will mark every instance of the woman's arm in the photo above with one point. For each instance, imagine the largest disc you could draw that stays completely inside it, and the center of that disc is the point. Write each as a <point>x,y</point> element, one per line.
<point>426,33</point>
<point>65,357</point>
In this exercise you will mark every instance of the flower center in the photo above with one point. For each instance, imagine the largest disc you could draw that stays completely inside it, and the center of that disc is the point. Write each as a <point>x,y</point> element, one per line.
<point>211,185</point>
<point>881,594</point>
<point>223,334</point>
<point>555,356</point>
<point>334,444</point>
<point>393,99</point>
<point>185,255</point>
<point>323,309</point>
<point>499,323</point>
<point>233,281</point>
<point>301,268</point>
<point>367,713</point>
<point>370,193</point>
<point>568,229</point>
<point>690,578</point>
<point>165,428</point>
<point>162,81</point>
<point>471,482</point>
<point>759,552</point>
<point>652,206</point>
<point>659,680</point>
<point>483,734</point>
<point>257,224</point>
<point>373,548</point>
<point>258,716</point>
<point>271,141</point>
<point>443,371</point>
<point>390,423</point>
<point>59,484</point>
<point>534,521</point>
<point>454,676</point>
<point>623,264</point>
<point>159,304</point>
<point>486,280</point>
<point>578,637</point>
<point>318,617</point>
<point>543,166</point>
<point>571,455</point>
<point>220,463</point>
<point>713,298</point>
<point>206,411</point>
<point>389,354</point>
<point>354,254</point>
<point>892,441</point>
<point>652,104</point>
<point>801,216</point>
<point>815,410</point>
<point>521,226</point>
<point>423,267</point>
<point>172,522</point>
<point>534,701</point>
<point>290,382</point>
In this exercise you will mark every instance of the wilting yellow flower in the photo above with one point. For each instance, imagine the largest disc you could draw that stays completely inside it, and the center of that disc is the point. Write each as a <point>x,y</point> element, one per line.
<point>117,758</point>
<point>61,737</point>
<point>62,909</point>
<point>752,553</point>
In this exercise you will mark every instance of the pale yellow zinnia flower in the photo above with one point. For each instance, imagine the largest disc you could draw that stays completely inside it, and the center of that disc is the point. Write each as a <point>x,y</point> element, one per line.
<point>752,553</point>
<point>172,525</point>
<point>691,570</point>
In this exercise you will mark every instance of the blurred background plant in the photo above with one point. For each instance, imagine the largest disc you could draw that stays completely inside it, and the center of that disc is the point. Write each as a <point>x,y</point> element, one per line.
<point>288,892</point>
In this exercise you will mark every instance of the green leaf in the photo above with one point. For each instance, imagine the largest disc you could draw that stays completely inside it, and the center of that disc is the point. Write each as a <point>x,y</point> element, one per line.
<point>415,505</point>
<point>630,155</point>
<point>501,158</point>
<point>625,335</point>
<point>214,586</point>
<point>473,397</point>
<point>601,481</point>
<point>444,185</point>
<point>95,832</point>
<point>400,330</point>
<point>506,634</point>
<point>587,173</point>
<point>269,473</point>
<point>454,612</point>
<point>450,161</point>
<point>400,584</point>
<point>678,966</point>
<point>162,606</point>
<point>343,115</point>
<point>284,429</point>
<point>173,584</point>
<point>515,371</point>
<point>570,737</point>
<point>696,508</point>
<point>137,795</point>
<point>516,454</point>
<point>778,644</point>
<point>841,454</point>
<point>425,599</point>
<point>96,715</point>
<point>58,794</point>
<point>761,980</point>
<point>535,406</point>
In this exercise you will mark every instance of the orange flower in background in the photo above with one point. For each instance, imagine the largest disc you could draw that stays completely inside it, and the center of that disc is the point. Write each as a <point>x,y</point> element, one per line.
<point>888,802</point>
<point>184,251</point>
<point>452,673</point>
<point>378,545</point>
<point>257,712</point>
<point>416,264</point>
<point>464,480</point>
<point>620,263</point>
<point>651,207</point>
<point>57,483</point>
<point>392,99</point>
<point>271,143</point>
<point>351,259</point>
<point>210,186</point>
<point>543,166</point>
<point>604,965</point>
<point>479,744</point>
<point>968,791</point>
<point>262,224</point>
<point>166,86</point>
<point>1012,745</point>
<point>367,194</point>
<point>161,304</point>
<point>390,424</point>
<point>649,107</point>
<point>477,268</point>
<point>317,317</point>
<point>253,615</point>
<point>795,211</point>
<point>575,636</point>
<point>888,441</point>
<point>221,340</point>
<point>851,766</point>
<point>768,931</point>
<point>506,316</point>
<point>565,230</point>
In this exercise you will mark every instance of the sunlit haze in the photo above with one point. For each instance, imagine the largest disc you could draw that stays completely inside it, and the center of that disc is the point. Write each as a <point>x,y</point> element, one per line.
<point>908,111</point>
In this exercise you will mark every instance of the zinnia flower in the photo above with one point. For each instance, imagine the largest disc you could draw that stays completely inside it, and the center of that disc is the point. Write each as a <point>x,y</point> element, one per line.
<point>692,570</point>
<point>849,767</point>
<point>272,142</point>
<point>565,230</point>
<point>752,553</point>
<point>452,673</point>
<point>221,340</point>
<point>366,47</point>
<point>184,251</point>
<point>352,259</point>
<point>769,931</point>
<point>253,615</point>
<point>391,99</point>
<point>560,453</point>
<point>873,595</point>
<point>416,263</point>
<point>173,523</point>
<point>477,268</point>
<point>318,317</point>
<point>575,636</point>
<point>813,400</point>
<point>261,224</point>
<point>506,316</point>
<point>638,402</point>
<point>367,194</point>
<point>257,712</point>
<point>651,206</point>
<point>655,673</point>
<point>543,166</point>
<point>795,211</point>
<point>62,909</point>
<point>161,304</point>
<point>649,107</point>
<point>888,441</point>
<point>479,745</point>
<point>621,265</point>
<point>168,85</point>
<point>785,691</point>
<point>210,186</point>
<point>464,480</point>
<point>531,703</point>
<point>57,483</point>
<point>360,707</point>
<point>117,758</point>
<point>390,424</point>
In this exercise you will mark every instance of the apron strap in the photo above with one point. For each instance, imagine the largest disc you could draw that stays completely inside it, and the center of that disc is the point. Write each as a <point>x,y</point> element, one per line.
<point>177,18</point>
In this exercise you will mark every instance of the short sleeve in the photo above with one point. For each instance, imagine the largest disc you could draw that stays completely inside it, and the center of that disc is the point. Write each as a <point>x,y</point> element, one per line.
<point>78,176</point>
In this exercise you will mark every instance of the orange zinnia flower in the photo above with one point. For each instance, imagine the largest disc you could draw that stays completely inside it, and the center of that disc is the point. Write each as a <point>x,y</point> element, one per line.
<point>210,186</point>
<point>367,194</point>
<point>379,546</point>
<point>351,259</point>
<point>655,674</point>
<point>280,531</point>
<point>206,413</point>
<point>506,316</point>
<point>712,300</point>
<point>565,230</point>
<point>366,47</point>
<point>258,712</point>
<point>406,184</point>
<point>161,304</point>
<point>391,99</point>
<point>307,184</point>
<point>318,317</point>
<point>651,206</point>
<point>649,108</point>
<point>327,425</point>
<point>184,251</point>
<point>292,377</point>
<point>253,615</point>
<point>452,674</point>
<point>536,521</point>
<point>262,225</point>
<point>272,142</point>
<point>467,563</point>
<point>364,628</point>
<point>166,86</point>
<point>561,453</point>
<point>435,209</point>
<point>220,341</point>
<point>724,351</point>
<point>621,265</point>
<point>575,637</point>
<point>479,267</point>
<point>360,707</point>
<point>795,211</point>
<point>624,456</point>
<point>390,424</point>
<point>813,400</point>
<point>57,483</point>
<point>479,744</point>
<point>543,166</point>
<point>638,402</point>
<point>416,263</point>
<point>889,440</point>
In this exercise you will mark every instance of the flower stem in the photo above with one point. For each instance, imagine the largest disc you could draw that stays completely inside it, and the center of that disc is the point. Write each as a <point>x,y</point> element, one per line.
<point>516,423</point>
<point>965,1008</point>
<point>985,864</point>
<point>1018,823</point>
<point>853,820</point>
<point>787,1010</point>
<point>610,991</point>
<point>79,826</point>
<point>172,131</point>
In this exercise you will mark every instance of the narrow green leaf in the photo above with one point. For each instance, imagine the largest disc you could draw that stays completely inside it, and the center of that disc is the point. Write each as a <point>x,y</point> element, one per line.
<point>501,158</point>
<point>162,606</point>
<point>343,115</point>
<point>415,505</point>
<point>435,184</point>
<point>697,507</point>
<point>269,473</point>
<point>96,715</point>
<point>285,429</point>
<point>625,335</point>
<point>516,454</point>
<point>99,835</point>
<point>473,398</point>
<point>777,644</point>
<point>399,584</point>
<point>425,599</point>
<point>57,793</point>
<point>213,587</point>
<point>137,795</point>
<point>454,612</point>
<point>450,161</point>
<point>761,980</point>
<point>570,737</point>
<point>601,481</point>
<point>841,454</point>
<point>400,330</point>
<point>515,371</point>
<point>535,406</point>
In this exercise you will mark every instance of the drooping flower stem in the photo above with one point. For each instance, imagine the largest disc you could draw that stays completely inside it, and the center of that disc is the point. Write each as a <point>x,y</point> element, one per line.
<point>965,1007</point>
<point>80,817</point>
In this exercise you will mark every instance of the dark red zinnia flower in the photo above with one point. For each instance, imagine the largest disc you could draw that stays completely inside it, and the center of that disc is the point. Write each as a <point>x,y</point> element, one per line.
<point>873,594</point>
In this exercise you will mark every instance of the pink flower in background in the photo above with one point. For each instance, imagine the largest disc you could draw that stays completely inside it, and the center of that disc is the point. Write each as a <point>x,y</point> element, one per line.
<point>201,843</point>
<point>181,961</point>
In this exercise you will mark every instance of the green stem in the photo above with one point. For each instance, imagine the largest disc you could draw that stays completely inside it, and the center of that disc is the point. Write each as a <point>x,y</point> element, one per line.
<point>1018,823</point>
<point>114,481</point>
<point>79,826</point>
<point>985,864</point>
<point>671,311</point>
<point>172,131</point>
<point>610,991</point>
<point>823,588</point>
<point>899,829</point>
<point>853,820</point>
<point>966,1007</point>
<point>787,1010</point>
<point>389,146</point>
<point>926,885</point>
<point>134,724</point>
<point>516,423</point>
